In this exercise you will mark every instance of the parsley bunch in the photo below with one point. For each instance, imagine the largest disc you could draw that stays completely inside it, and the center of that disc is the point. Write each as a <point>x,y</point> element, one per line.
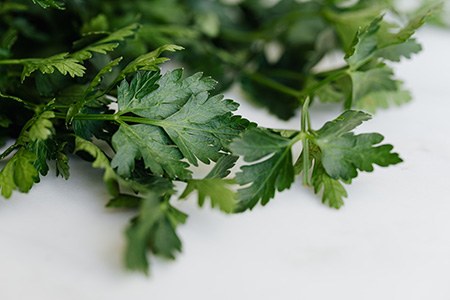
<point>84,78</point>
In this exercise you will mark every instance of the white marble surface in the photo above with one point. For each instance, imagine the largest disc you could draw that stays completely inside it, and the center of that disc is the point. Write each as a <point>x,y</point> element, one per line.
<point>390,241</point>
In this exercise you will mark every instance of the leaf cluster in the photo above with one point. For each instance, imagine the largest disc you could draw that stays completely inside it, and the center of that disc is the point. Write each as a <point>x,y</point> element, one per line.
<point>94,89</point>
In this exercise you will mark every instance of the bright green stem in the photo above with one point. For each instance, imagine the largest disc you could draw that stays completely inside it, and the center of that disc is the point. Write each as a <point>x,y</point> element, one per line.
<point>12,61</point>
<point>305,126</point>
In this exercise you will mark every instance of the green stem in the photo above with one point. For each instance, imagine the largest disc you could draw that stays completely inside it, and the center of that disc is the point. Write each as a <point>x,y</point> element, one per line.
<point>288,74</point>
<point>332,77</point>
<point>27,104</point>
<point>115,118</point>
<point>300,95</point>
<point>305,126</point>
<point>267,32</point>
<point>9,151</point>
<point>12,61</point>
<point>273,84</point>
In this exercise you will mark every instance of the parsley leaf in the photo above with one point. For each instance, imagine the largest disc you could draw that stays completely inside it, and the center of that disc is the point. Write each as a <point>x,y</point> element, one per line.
<point>61,62</point>
<point>106,44</point>
<point>364,45</point>
<point>336,155</point>
<point>49,3</point>
<point>42,127</point>
<point>333,192</point>
<point>214,186</point>
<point>149,61</point>
<point>101,161</point>
<point>343,153</point>
<point>153,228</point>
<point>19,173</point>
<point>187,117</point>
<point>103,97</point>
<point>383,99</point>
<point>372,80</point>
<point>217,189</point>
<point>275,172</point>
<point>152,145</point>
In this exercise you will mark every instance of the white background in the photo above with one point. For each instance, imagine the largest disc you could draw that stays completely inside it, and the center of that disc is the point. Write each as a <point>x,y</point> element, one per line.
<point>390,241</point>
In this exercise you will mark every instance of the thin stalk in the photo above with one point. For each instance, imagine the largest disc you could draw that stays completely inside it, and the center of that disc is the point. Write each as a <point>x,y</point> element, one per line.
<point>27,104</point>
<point>300,95</point>
<point>115,118</point>
<point>9,151</point>
<point>273,84</point>
<point>305,126</point>
<point>332,77</point>
<point>12,61</point>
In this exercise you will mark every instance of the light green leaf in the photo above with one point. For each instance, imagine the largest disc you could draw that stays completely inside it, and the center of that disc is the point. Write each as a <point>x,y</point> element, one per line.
<point>406,32</point>
<point>89,93</point>
<point>213,186</point>
<point>353,22</point>
<point>372,80</point>
<point>396,51</point>
<point>19,173</point>
<point>149,61</point>
<point>98,23</point>
<point>61,62</point>
<point>42,127</point>
<point>364,45</point>
<point>49,3</point>
<point>333,192</point>
<point>107,44</point>
<point>383,99</point>
<point>217,189</point>
<point>346,122</point>
<point>101,161</point>
<point>383,40</point>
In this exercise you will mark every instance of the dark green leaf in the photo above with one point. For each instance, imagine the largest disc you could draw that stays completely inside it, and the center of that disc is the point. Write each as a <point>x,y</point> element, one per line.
<point>124,201</point>
<point>187,117</point>
<point>154,228</point>
<point>262,179</point>
<point>343,153</point>
<point>222,167</point>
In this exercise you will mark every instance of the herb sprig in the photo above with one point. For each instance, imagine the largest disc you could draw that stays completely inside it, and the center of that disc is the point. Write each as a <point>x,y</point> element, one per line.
<point>60,83</point>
